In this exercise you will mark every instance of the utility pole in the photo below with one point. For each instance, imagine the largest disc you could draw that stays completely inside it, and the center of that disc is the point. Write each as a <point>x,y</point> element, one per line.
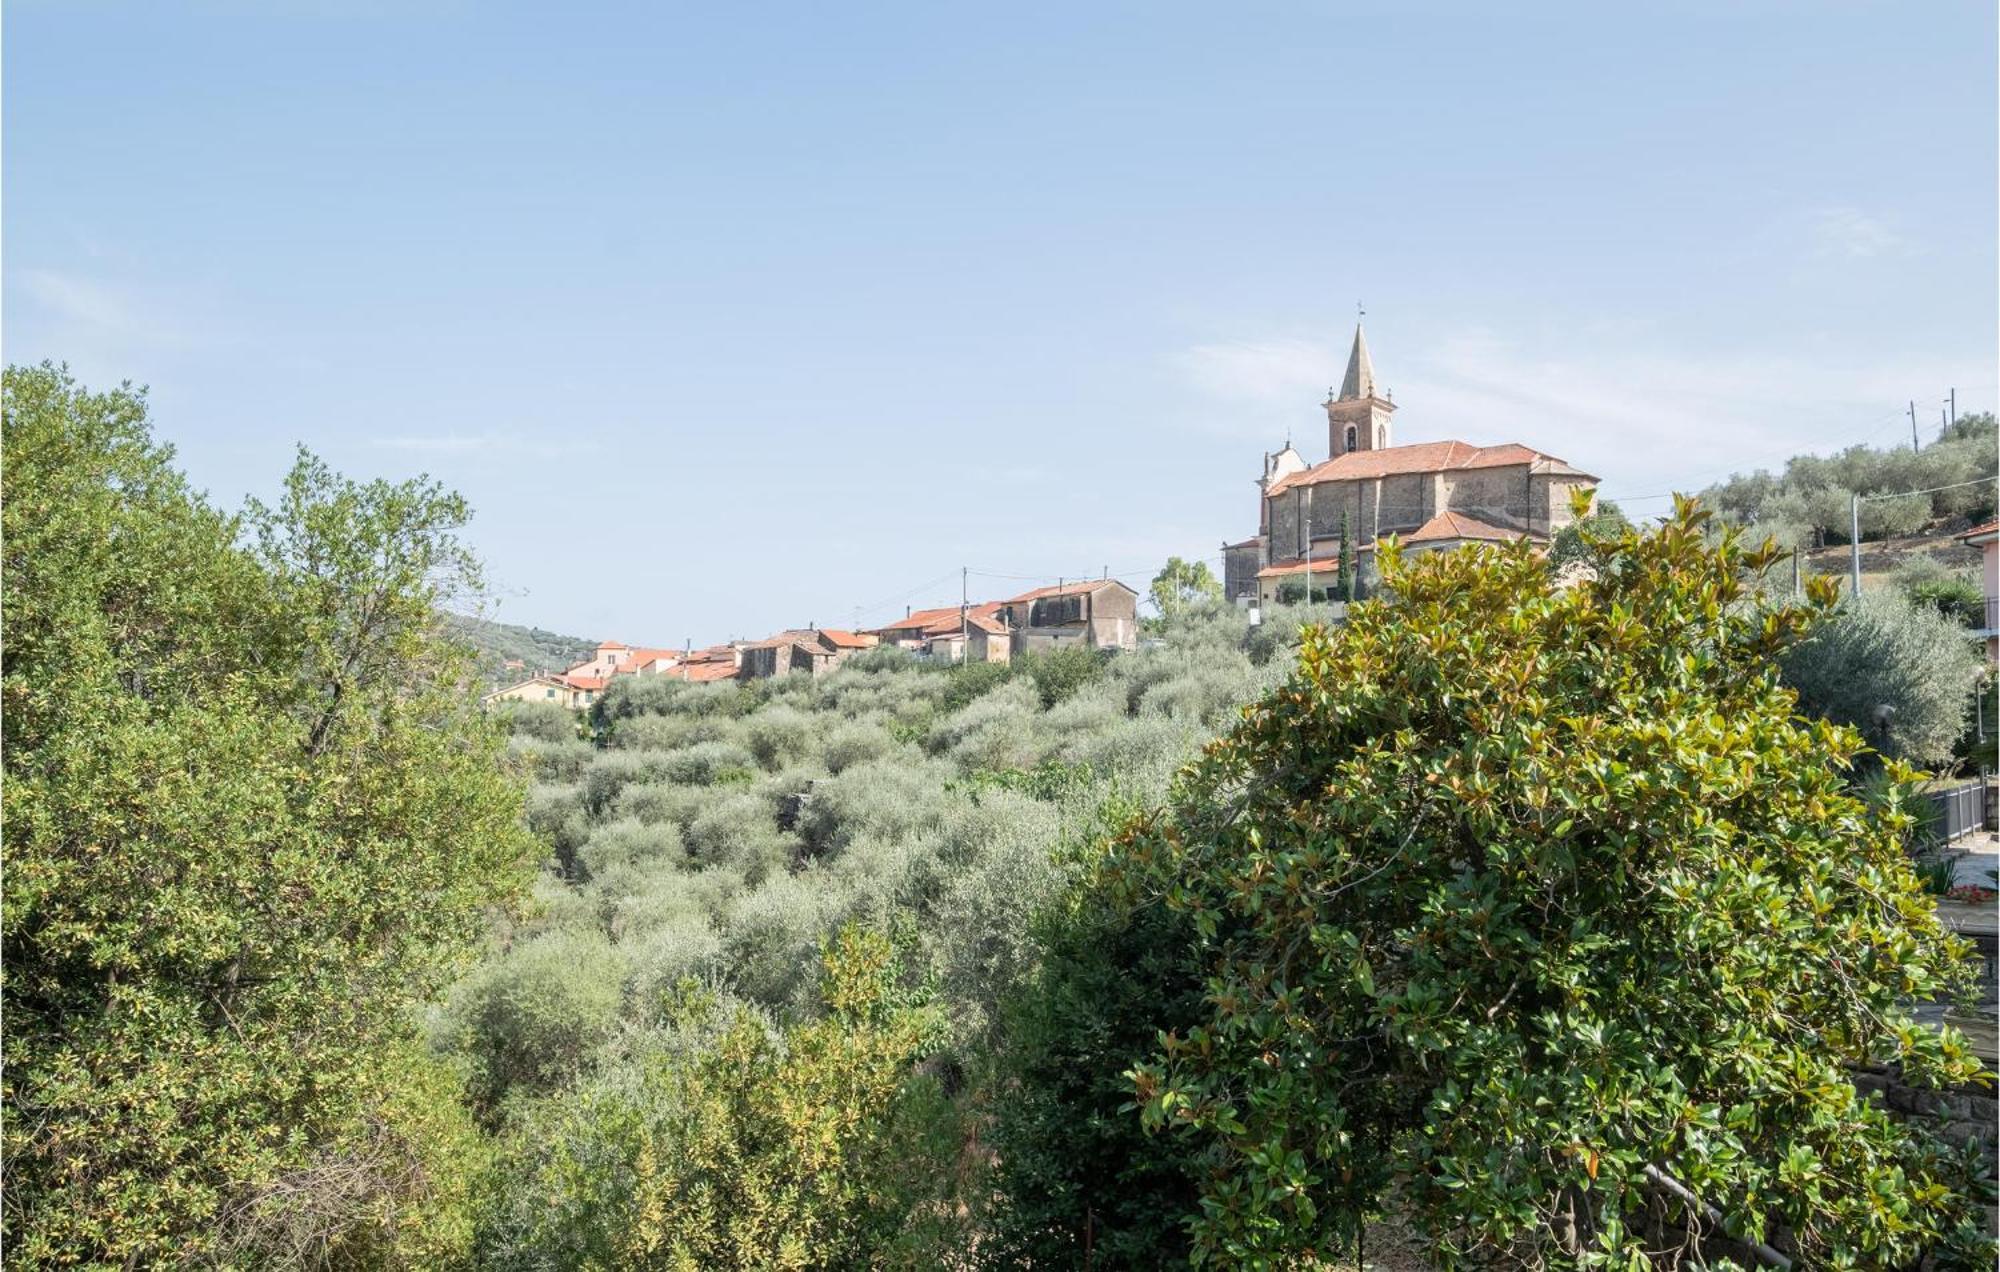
<point>1854,545</point>
<point>1913,424</point>
<point>1954,408</point>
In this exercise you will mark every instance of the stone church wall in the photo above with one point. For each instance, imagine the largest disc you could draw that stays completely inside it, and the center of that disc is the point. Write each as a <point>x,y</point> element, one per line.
<point>1496,495</point>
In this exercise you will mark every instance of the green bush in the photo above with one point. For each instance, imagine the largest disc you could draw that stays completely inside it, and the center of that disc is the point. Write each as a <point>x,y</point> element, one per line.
<point>1077,1179</point>
<point>820,1147</point>
<point>1543,907</point>
<point>543,721</point>
<point>1897,673</point>
<point>529,1020</point>
<point>1058,673</point>
<point>254,818</point>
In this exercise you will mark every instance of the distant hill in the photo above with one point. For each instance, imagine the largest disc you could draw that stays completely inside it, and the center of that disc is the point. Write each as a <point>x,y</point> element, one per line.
<point>537,648</point>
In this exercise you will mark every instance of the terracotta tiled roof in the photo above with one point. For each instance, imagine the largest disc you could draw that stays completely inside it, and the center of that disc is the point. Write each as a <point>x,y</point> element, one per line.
<point>842,639</point>
<point>988,624</point>
<point>1064,589</point>
<point>1423,457</point>
<point>928,623</point>
<point>1320,565</point>
<point>611,644</point>
<point>701,672</point>
<point>575,681</point>
<point>1447,526</point>
<point>1986,531</point>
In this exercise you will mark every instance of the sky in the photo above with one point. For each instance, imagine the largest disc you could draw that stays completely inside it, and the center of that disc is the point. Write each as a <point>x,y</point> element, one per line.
<point>734,318</point>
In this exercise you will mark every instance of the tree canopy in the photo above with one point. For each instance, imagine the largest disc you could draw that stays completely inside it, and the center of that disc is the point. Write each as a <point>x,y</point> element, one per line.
<point>253,819</point>
<point>1182,585</point>
<point>1542,908</point>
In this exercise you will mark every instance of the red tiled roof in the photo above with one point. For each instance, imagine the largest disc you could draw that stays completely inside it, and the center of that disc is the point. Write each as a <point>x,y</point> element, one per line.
<point>842,639</point>
<point>1320,565</point>
<point>1447,526</point>
<point>988,624</point>
<point>1978,532</point>
<point>701,672</point>
<point>575,681</point>
<point>933,622</point>
<point>1064,589</point>
<point>611,644</point>
<point>1423,457</point>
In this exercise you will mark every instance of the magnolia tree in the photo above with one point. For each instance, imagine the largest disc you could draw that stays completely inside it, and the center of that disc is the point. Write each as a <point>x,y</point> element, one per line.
<point>1542,912</point>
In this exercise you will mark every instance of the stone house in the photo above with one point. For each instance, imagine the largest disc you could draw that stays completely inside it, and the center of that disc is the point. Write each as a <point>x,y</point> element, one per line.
<point>812,650</point>
<point>1430,495</point>
<point>935,633</point>
<point>987,639</point>
<point>1095,613</point>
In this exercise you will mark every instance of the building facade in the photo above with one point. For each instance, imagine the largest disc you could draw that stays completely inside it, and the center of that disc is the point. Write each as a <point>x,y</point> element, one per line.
<point>1429,495</point>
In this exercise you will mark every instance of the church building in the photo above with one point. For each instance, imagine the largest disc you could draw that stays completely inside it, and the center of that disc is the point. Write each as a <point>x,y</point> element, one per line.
<point>1429,495</point>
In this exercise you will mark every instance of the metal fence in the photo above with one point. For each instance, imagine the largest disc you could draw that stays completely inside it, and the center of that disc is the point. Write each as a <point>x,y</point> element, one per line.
<point>1957,812</point>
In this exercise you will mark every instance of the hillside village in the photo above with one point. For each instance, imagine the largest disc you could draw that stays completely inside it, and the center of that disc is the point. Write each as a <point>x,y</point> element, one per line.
<point>1430,495</point>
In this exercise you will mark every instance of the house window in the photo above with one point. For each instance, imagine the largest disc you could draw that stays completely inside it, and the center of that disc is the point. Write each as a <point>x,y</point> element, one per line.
<point>548,693</point>
<point>1350,437</point>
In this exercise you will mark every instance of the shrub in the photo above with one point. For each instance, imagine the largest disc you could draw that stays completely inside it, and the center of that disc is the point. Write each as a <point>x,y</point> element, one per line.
<point>1058,673</point>
<point>543,721</point>
<point>996,731</point>
<point>1898,674</point>
<point>737,829</point>
<point>1507,865</point>
<point>528,1020</point>
<point>631,842</point>
<point>705,763</point>
<point>554,761</point>
<point>817,1148</point>
<point>848,745</point>
<point>890,798</point>
<point>1075,1174</point>
<point>612,771</point>
<point>780,735</point>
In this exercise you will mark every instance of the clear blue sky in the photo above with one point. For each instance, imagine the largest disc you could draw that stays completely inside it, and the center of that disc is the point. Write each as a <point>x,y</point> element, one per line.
<point>728,318</point>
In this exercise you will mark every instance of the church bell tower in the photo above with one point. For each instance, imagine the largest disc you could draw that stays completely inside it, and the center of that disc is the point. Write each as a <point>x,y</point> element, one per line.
<point>1357,419</point>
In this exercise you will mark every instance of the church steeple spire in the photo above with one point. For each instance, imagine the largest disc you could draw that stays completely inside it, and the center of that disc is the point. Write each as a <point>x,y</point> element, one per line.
<point>1357,418</point>
<point>1360,379</point>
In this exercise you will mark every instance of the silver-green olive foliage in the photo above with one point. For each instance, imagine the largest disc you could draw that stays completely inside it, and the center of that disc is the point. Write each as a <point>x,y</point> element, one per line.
<point>1544,909</point>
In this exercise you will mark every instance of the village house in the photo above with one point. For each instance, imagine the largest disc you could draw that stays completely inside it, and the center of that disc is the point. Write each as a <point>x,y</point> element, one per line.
<point>582,685</point>
<point>1095,613</point>
<point>938,633</point>
<point>987,639</point>
<point>813,650</point>
<point>1430,495</point>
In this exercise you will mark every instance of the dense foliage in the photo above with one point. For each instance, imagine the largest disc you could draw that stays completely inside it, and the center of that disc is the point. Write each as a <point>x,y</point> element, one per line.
<point>252,819</point>
<point>1184,585</point>
<point>1522,908</point>
<point>1541,910</point>
<point>724,835</point>
<point>1807,505</point>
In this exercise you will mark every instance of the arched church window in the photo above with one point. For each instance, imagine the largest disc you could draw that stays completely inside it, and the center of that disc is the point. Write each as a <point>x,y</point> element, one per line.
<point>1350,437</point>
